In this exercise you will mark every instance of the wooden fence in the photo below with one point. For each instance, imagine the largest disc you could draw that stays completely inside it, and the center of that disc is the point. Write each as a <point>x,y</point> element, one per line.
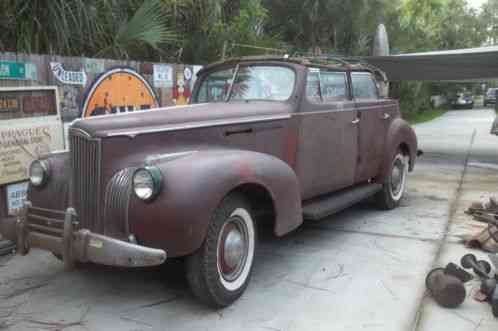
<point>39,73</point>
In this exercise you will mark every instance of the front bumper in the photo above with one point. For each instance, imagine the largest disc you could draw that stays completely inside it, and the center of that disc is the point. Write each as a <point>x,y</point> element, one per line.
<point>61,237</point>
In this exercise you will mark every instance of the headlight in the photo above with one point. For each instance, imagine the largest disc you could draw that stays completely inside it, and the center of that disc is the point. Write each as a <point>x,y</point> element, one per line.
<point>38,172</point>
<point>147,183</point>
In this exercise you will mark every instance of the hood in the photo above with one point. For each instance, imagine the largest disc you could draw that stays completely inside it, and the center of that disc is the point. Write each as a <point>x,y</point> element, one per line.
<point>190,116</point>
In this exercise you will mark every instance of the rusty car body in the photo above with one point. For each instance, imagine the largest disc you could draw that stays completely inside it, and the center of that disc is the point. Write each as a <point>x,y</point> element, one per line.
<point>275,140</point>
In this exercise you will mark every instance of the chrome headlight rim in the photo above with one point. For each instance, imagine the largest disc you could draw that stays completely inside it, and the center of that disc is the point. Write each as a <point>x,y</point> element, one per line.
<point>155,176</point>
<point>45,173</point>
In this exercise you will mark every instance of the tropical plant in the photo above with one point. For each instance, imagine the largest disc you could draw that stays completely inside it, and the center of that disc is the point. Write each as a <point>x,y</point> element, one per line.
<point>86,27</point>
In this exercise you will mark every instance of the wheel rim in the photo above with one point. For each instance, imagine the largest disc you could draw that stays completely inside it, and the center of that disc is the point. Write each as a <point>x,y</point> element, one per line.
<point>398,177</point>
<point>235,249</point>
<point>232,248</point>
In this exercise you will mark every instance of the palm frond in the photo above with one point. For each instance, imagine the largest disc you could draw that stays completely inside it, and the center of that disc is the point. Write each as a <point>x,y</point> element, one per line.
<point>148,25</point>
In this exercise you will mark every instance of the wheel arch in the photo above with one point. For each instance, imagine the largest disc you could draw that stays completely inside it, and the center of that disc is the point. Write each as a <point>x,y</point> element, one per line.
<point>399,136</point>
<point>195,185</point>
<point>262,203</point>
<point>405,149</point>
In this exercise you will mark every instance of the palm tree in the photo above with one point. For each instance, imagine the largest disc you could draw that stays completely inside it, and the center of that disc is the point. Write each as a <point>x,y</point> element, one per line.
<point>119,29</point>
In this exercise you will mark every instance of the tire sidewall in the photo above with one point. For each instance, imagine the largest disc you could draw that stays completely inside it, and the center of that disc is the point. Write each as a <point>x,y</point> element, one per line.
<point>398,197</point>
<point>384,198</point>
<point>217,291</point>
<point>243,278</point>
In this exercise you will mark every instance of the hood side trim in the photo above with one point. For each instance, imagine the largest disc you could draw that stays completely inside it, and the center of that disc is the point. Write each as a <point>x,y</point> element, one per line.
<point>204,124</point>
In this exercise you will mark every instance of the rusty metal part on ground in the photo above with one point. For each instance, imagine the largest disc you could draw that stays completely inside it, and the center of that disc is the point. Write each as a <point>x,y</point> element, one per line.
<point>447,290</point>
<point>481,268</point>
<point>454,270</point>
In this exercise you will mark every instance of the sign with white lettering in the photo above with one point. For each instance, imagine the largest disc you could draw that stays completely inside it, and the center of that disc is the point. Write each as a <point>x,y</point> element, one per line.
<point>95,66</point>
<point>16,195</point>
<point>163,75</point>
<point>68,77</point>
<point>18,70</point>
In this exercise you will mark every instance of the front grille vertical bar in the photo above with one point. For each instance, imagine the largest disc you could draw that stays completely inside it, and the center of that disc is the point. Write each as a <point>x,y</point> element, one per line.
<point>86,165</point>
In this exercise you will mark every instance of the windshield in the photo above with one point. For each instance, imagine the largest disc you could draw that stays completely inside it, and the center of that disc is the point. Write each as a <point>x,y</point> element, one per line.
<point>266,83</point>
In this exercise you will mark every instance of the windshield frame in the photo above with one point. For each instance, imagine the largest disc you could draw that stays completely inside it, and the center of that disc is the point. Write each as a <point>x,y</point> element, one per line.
<point>236,68</point>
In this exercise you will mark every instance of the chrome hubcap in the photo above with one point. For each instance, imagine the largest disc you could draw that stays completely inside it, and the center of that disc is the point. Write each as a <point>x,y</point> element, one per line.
<point>232,248</point>
<point>398,177</point>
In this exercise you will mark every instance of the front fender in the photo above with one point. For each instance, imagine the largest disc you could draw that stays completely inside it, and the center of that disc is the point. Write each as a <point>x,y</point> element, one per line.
<point>55,193</point>
<point>399,135</point>
<point>194,185</point>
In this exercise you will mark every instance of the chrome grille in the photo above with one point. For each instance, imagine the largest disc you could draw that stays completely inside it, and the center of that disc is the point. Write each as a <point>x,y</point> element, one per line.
<point>86,167</point>
<point>117,196</point>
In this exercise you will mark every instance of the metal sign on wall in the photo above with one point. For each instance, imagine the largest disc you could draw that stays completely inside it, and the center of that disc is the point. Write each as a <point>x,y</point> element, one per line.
<point>17,70</point>
<point>68,77</point>
<point>9,104</point>
<point>30,126</point>
<point>118,90</point>
<point>16,195</point>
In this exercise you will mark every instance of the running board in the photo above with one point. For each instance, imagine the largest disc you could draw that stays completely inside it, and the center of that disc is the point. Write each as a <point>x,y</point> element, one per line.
<point>319,208</point>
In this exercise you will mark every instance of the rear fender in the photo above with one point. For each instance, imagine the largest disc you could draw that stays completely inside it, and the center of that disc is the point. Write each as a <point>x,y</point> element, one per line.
<point>193,186</point>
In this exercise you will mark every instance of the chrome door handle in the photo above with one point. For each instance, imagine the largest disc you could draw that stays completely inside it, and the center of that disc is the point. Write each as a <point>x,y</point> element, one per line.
<point>356,121</point>
<point>386,116</point>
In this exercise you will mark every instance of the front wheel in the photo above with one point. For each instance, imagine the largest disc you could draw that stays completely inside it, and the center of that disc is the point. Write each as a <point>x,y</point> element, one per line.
<point>219,272</point>
<point>394,185</point>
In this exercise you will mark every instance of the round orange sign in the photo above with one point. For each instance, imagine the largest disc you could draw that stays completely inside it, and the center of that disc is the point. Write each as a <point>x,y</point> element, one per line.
<point>118,90</point>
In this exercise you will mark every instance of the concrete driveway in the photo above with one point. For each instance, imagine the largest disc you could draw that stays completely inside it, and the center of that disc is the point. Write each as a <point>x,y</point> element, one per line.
<point>361,269</point>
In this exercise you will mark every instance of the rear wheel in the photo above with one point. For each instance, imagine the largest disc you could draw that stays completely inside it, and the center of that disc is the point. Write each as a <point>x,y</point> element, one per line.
<point>394,185</point>
<point>219,272</point>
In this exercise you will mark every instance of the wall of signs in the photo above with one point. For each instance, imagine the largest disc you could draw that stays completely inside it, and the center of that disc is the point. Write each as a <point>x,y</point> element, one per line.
<point>30,123</point>
<point>172,84</point>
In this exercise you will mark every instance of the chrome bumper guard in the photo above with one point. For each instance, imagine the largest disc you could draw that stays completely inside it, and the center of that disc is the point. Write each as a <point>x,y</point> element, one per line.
<point>60,237</point>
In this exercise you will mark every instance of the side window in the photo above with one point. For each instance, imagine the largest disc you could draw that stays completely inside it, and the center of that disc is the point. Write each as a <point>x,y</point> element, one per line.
<point>364,86</point>
<point>326,86</point>
<point>333,86</point>
<point>214,88</point>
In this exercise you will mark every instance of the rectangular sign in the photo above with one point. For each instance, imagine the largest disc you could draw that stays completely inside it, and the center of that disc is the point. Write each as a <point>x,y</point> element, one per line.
<point>37,104</point>
<point>21,145</point>
<point>94,66</point>
<point>35,129</point>
<point>9,104</point>
<point>16,195</point>
<point>12,70</point>
<point>163,75</point>
<point>31,71</point>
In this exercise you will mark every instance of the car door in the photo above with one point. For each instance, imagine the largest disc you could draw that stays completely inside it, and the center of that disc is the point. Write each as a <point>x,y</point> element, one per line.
<point>328,134</point>
<point>375,115</point>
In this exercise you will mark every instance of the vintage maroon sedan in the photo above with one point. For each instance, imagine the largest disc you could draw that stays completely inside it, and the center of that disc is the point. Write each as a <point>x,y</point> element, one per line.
<point>274,140</point>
